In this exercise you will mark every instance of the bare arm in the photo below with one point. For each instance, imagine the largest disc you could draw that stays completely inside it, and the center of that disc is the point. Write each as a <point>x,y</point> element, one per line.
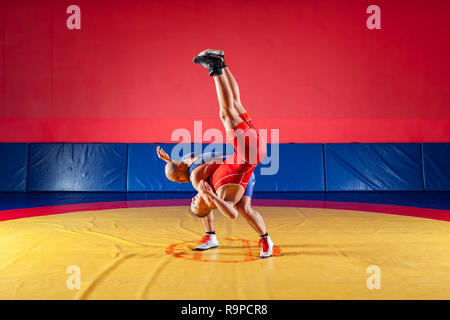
<point>199,175</point>
<point>225,206</point>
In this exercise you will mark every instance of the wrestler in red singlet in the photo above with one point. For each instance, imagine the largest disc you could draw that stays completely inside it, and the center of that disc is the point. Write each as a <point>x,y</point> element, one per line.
<point>250,149</point>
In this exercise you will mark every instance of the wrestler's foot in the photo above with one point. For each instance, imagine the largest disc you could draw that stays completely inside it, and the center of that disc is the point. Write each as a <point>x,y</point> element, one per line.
<point>213,52</point>
<point>267,246</point>
<point>211,62</point>
<point>209,241</point>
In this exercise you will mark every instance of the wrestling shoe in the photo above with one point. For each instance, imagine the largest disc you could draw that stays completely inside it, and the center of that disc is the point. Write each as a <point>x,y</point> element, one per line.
<point>267,247</point>
<point>212,52</point>
<point>208,241</point>
<point>211,62</point>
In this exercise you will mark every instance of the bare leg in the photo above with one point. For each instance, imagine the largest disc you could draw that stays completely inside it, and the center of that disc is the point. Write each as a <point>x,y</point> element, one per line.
<point>226,86</point>
<point>251,215</point>
<point>228,112</point>
<point>208,222</point>
<point>235,89</point>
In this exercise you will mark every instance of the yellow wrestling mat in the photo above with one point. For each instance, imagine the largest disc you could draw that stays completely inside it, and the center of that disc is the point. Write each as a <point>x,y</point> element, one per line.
<point>145,253</point>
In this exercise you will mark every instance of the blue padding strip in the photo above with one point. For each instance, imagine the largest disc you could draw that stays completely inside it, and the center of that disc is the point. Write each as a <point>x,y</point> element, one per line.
<point>13,166</point>
<point>436,166</point>
<point>373,167</point>
<point>77,167</point>
<point>291,167</point>
<point>287,167</point>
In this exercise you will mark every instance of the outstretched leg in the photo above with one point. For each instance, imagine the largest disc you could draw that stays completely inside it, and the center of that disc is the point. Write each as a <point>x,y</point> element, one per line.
<point>228,111</point>
<point>226,87</point>
<point>235,89</point>
<point>210,59</point>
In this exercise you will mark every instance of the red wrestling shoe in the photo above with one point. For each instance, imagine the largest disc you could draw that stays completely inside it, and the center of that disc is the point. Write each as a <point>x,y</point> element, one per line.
<point>267,247</point>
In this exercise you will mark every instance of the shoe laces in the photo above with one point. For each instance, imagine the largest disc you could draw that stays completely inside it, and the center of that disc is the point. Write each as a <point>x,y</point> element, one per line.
<point>264,243</point>
<point>205,239</point>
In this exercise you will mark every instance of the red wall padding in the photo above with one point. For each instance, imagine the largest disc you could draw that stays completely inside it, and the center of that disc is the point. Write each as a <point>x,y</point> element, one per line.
<point>310,68</point>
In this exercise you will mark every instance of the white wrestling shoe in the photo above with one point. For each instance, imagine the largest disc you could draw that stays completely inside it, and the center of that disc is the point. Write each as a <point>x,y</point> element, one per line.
<point>267,247</point>
<point>208,241</point>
